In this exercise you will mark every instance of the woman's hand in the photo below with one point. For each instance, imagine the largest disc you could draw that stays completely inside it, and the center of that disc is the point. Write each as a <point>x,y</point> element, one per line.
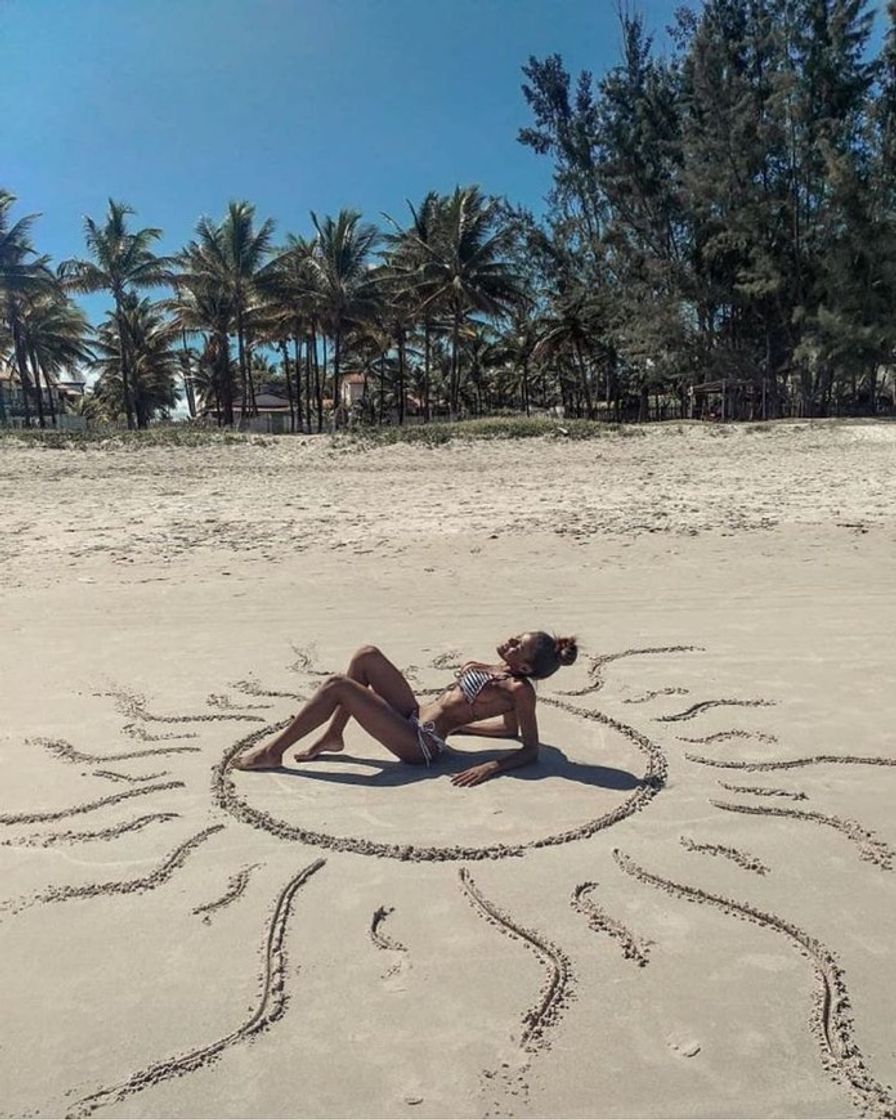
<point>475,774</point>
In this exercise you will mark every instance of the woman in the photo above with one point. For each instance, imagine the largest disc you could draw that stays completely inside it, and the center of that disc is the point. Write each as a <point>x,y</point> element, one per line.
<point>494,700</point>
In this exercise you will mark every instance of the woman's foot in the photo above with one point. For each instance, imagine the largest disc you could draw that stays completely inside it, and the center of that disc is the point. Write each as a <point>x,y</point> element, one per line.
<point>329,743</point>
<point>259,758</point>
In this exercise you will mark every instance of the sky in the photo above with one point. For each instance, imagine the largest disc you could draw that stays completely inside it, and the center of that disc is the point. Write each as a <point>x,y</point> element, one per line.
<point>178,106</point>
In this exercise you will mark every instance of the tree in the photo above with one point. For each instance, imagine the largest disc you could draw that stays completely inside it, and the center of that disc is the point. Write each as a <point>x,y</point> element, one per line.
<point>229,257</point>
<point>202,305</point>
<point>463,270</point>
<point>123,262</point>
<point>288,287</point>
<point>345,290</point>
<point>153,361</point>
<point>23,276</point>
<point>55,337</point>
<point>408,253</point>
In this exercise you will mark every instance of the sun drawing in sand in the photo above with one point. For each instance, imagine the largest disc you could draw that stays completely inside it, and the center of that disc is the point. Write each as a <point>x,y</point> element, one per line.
<point>147,771</point>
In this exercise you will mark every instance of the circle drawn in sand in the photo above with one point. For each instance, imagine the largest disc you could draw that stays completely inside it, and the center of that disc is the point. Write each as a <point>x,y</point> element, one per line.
<point>642,790</point>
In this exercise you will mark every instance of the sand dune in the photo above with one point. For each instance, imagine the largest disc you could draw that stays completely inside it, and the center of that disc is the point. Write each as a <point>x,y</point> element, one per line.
<point>685,909</point>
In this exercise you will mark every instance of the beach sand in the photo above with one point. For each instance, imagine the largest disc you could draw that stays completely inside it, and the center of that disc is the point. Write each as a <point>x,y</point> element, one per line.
<point>685,909</point>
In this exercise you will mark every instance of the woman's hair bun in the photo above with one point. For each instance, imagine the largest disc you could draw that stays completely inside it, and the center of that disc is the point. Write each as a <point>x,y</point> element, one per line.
<point>566,649</point>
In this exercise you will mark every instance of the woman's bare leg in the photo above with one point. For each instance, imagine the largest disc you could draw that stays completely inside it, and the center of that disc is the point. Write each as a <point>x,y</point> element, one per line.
<point>375,715</point>
<point>372,669</point>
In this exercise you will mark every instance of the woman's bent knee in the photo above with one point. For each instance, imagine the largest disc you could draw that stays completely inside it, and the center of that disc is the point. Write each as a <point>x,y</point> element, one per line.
<point>366,651</point>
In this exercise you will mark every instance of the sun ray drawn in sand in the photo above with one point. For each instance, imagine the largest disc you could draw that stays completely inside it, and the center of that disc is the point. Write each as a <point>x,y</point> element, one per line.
<point>235,889</point>
<point>383,941</point>
<point>47,840</point>
<point>599,661</point>
<point>792,763</point>
<point>766,791</point>
<point>725,736</point>
<point>706,705</point>
<point>742,859</point>
<point>115,776</point>
<point>556,990</point>
<point>633,948</point>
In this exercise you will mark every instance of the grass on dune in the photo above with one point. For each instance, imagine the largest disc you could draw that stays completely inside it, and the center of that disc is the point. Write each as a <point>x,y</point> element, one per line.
<point>436,434</point>
<point>102,436</point>
<point>427,435</point>
<point>490,428</point>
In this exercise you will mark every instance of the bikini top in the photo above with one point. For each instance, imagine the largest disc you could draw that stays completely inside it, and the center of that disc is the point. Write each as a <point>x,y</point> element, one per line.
<point>472,680</point>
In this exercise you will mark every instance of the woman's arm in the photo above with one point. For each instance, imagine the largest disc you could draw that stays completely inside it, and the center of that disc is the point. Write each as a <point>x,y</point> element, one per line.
<point>524,714</point>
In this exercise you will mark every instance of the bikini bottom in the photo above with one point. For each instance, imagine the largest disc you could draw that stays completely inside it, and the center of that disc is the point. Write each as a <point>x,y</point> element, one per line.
<point>431,743</point>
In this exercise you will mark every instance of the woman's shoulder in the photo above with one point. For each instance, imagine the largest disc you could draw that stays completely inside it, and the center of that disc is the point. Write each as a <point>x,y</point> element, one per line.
<point>519,686</point>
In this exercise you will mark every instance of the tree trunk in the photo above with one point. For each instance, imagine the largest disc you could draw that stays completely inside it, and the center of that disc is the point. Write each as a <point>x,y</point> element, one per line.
<point>241,355</point>
<point>21,364</point>
<point>309,339</point>
<point>427,358</point>
<point>187,377</point>
<point>124,347</point>
<point>35,369</point>
<point>337,354</point>
<point>453,389</point>
<point>50,401</point>
<point>253,404</point>
<point>583,373</point>
<point>225,378</point>
<point>318,382</point>
<point>297,354</point>
<point>284,350</point>
<point>401,400</point>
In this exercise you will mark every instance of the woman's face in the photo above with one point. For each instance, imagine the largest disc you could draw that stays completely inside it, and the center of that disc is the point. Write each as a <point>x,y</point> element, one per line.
<point>518,652</point>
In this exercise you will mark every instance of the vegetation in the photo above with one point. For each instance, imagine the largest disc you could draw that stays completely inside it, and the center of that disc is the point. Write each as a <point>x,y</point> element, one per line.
<point>720,240</point>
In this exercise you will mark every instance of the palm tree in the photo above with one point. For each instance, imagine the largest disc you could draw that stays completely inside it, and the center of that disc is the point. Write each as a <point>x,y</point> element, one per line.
<point>345,288</point>
<point>55,332</point>
<point>573,329</point>
<point>463,271</point>
<point>230,256</point>
<point>23,276</point>
<point>123,262</point>
<point>410,251</point>
<point>288,286</point>
<point>516,349</point>
<point>203,305</point>
<point>153,361</point>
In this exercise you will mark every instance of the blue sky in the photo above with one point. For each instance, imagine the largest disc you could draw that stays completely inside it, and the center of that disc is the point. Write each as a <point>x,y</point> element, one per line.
<point>177,106</point>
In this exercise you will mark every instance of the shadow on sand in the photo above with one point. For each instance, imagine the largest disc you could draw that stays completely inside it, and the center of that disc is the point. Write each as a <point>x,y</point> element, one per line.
<point>552,763</point>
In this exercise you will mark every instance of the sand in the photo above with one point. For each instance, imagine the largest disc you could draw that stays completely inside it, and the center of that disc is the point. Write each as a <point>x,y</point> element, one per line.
<point>685,909</point>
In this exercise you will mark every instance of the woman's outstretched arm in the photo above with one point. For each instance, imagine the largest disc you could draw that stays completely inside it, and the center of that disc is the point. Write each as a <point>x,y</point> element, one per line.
<point>524,713</point>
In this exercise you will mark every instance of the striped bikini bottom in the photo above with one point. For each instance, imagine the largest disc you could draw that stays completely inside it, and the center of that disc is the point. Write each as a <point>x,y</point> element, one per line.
<point>431,743</point>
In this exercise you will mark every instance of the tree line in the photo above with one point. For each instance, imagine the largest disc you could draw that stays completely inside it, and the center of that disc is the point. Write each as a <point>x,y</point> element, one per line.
<point>721,228</point>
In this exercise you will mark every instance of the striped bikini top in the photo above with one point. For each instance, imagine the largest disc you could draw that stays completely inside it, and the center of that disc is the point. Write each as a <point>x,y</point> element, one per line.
<point>472,681</point>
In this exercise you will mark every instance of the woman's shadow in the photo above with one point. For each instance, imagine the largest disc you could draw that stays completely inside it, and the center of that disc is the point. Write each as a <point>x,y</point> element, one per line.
<point>552,763</point>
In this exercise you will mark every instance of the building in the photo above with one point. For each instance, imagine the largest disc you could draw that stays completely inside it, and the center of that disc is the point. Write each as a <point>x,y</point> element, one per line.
<point>352,386</point>
<point>59,400</point>
<point>273,412</point>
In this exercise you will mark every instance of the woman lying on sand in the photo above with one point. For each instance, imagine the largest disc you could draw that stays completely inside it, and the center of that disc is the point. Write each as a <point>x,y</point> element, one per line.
<point>485,699</point>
